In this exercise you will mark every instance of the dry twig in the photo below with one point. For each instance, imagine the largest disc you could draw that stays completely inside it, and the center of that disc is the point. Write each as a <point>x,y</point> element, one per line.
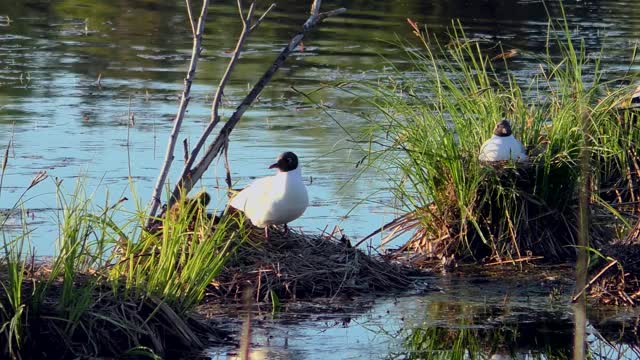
<point>190,175</point>
<point>184,102</point>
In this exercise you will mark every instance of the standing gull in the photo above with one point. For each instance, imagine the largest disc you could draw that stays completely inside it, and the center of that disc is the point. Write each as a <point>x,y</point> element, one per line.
<point>502,145</point>
<point>277,199</point>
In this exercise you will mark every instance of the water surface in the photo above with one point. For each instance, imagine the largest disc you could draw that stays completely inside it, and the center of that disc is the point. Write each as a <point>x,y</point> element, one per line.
<point>527,316</point>
<point>71,74</point>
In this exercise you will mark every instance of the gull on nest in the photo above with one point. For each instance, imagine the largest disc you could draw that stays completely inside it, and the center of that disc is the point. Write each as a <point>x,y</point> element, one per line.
<point>277,199</point>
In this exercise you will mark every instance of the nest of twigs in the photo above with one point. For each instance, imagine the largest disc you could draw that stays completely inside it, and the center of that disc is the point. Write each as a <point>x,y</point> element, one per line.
<point>296,265</point>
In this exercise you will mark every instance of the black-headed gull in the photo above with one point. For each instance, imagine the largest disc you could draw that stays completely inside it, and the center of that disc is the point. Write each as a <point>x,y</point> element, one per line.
<point>277,199</point>
<point>502,145</point>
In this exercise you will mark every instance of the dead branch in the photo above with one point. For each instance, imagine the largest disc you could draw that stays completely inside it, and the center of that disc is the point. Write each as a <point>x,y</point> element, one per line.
<point>595,278</point>
<point>191,175</point>
<point>184,102</point>
<point>247,28</point>
<point>190,15</point>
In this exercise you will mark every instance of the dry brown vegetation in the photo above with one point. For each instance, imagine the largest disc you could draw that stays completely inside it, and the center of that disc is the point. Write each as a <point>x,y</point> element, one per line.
<point>303,266</point>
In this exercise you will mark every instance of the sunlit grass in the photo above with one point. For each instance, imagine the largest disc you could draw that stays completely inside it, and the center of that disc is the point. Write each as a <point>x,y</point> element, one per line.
<point>427,130</point>
<point>111,287</point>
<point>179,261</point>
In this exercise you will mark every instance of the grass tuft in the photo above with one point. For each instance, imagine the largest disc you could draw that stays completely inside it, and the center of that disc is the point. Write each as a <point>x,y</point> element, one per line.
<point>427,130</point>
<point>112,289</point>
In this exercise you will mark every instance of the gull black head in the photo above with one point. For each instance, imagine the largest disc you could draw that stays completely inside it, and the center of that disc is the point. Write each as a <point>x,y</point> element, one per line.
<point>286,161</point>
<point>203,198</point>
<point>503,128</point>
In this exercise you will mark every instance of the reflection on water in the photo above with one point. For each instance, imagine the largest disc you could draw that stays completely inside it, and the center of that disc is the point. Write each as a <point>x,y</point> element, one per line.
<point>469,317</point>
<point>493,333</point>
<point>71,71</point>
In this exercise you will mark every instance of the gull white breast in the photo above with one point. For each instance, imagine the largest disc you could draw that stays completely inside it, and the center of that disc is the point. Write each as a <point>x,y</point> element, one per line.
<point>277,199</point>
<point>502,145</point>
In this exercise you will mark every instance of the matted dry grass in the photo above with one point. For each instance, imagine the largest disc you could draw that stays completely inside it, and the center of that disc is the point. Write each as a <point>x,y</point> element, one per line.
<point>302,266</point>
<point>113,323</point>
<point>616,281</point>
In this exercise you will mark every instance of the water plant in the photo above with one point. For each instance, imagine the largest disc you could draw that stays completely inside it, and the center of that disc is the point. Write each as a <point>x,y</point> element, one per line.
<point>177,262</point>
<point>88,299</point>
<point>427,130</point>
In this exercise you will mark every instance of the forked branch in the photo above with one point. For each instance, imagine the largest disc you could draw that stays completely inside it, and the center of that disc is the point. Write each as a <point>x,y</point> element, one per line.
<point>190,15</point>
<point>191,175</point>
<point>247,28</point>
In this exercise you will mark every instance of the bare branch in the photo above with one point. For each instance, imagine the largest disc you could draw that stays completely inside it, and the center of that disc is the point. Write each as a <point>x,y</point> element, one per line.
<point>259,21</point>
<point>185,146</point>
<point>184,101</point>
<point>190,15</point>
<point>331,13</point>
<point>191,175</point>
<point>227,167</point>
<point>217,98</point>
<point>315,9</point>
<point>247,20</point>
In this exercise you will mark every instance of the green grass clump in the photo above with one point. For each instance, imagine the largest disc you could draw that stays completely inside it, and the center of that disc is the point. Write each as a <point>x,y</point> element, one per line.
<point>430,125</point>
<point>111,288</point>
<point>178,262</point>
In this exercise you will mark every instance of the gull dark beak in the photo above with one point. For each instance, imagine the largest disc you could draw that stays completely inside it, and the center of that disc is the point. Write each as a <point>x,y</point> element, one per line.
<point>273,166</point>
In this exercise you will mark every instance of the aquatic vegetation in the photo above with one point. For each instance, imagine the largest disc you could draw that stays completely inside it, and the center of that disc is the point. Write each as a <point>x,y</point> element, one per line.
<point>178,261</point>
<point>89,299</point>
<point>428,128</point>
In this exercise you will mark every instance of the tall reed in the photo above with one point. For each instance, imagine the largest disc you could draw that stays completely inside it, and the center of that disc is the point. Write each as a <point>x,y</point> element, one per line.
<point>15,253</point>
<point>428,129</point>
<point>13,307</point>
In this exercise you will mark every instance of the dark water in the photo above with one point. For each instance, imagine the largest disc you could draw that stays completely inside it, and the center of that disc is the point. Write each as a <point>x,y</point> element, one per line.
<point>62,120</point>
<point>461,317</point>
